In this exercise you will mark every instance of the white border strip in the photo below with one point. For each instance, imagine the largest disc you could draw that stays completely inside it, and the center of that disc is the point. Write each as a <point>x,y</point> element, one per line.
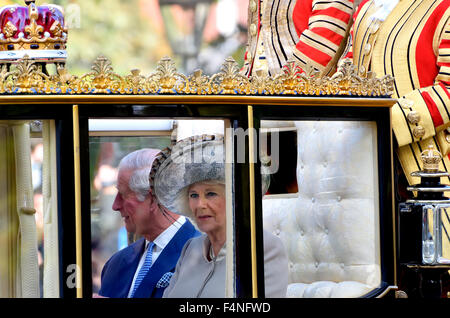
<point>33,54</point>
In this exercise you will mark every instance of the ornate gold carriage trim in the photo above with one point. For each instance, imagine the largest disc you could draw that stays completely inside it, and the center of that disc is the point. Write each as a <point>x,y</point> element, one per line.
<point>27,77</point>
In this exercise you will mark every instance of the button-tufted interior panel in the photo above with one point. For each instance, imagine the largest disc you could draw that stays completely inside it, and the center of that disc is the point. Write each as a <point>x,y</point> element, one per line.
<point>330,228</point>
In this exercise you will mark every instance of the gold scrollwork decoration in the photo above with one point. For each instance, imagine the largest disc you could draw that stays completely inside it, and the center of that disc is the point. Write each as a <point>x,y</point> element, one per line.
<point>199,84</point>
<point>102,79</point>
<point>34,30</point>
<point>262,84</point>
<point>27,77</point>
<point>166,79</point>
<point>135,83</point>
<point>346,80</point>
<point>229,81</point>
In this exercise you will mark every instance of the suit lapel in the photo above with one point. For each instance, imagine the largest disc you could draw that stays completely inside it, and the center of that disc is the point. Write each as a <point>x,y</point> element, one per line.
<point>166,261</point>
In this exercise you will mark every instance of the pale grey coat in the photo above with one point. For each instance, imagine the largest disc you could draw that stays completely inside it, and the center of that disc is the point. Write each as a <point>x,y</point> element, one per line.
<point>196,277</point>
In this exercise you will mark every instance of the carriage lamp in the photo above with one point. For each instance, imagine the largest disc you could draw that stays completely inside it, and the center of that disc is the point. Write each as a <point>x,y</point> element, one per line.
<point>424,224</point>
<point>184,22</point>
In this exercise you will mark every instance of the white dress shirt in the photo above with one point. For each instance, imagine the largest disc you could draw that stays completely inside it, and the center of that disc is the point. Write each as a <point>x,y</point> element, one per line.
<point>160,242</point>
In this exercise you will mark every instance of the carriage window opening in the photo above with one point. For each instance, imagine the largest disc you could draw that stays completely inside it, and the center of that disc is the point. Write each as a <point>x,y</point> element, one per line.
<point>282,179</point>
<point>330,229</point>
<point>28,209</point>
<point>108,232</point>
<point>111,141</point>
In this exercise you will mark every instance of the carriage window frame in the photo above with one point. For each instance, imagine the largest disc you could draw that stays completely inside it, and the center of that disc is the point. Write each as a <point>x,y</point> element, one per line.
<point>35,108</point>
<point>343,109</point>
<point>161,111</point>
<point>99,130</point>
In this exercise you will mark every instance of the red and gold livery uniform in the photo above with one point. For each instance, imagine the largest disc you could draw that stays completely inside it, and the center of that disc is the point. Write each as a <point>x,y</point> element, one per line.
<point>309,32</point>
<point>413,45</point>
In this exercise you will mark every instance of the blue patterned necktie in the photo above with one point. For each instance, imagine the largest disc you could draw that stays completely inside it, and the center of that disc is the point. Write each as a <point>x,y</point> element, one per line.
<point>144,269</point>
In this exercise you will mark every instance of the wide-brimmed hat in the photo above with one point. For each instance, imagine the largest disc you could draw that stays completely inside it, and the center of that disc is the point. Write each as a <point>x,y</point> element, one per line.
<point>191,160</point>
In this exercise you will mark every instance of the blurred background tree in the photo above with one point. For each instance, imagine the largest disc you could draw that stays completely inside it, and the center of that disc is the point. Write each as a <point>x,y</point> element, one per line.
<point>132,34</point>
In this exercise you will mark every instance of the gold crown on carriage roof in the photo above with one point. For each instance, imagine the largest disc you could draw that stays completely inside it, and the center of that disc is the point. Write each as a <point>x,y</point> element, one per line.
<point>36,31</point>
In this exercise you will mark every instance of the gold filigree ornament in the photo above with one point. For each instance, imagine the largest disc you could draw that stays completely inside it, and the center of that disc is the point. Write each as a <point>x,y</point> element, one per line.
<point>34,30</point>
<point>311,83</point>
<point>56,29</point>
<point>26,77</point>
<point>166,79</point>
<point>63,81</point>
<point>135,83</point>
<point>262,84</point>
<point>6,80</point>
<point>229,81</point>
<point>199,84</point>
<point>346,81</point>
<point>386,86</point>
<point>9,30</point>
<point>102,79</point>
<point>291,79</point>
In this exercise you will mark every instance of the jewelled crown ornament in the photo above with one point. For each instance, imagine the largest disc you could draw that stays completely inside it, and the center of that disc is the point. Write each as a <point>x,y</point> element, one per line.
<point>431,159</point>
<point>430,188</point>
<point>37,32</point>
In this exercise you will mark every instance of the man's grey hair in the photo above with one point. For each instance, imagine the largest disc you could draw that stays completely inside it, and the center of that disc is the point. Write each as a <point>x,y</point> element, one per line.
<point>140,162</point>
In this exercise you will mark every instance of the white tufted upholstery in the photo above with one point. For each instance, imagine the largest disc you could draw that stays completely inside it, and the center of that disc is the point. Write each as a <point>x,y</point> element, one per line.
<point>330,228</point>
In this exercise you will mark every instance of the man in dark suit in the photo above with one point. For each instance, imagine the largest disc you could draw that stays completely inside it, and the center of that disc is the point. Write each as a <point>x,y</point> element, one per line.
<point>144,268</point>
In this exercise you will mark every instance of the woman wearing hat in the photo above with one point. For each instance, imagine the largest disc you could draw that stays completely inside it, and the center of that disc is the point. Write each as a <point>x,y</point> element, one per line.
<point>189,179</point>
